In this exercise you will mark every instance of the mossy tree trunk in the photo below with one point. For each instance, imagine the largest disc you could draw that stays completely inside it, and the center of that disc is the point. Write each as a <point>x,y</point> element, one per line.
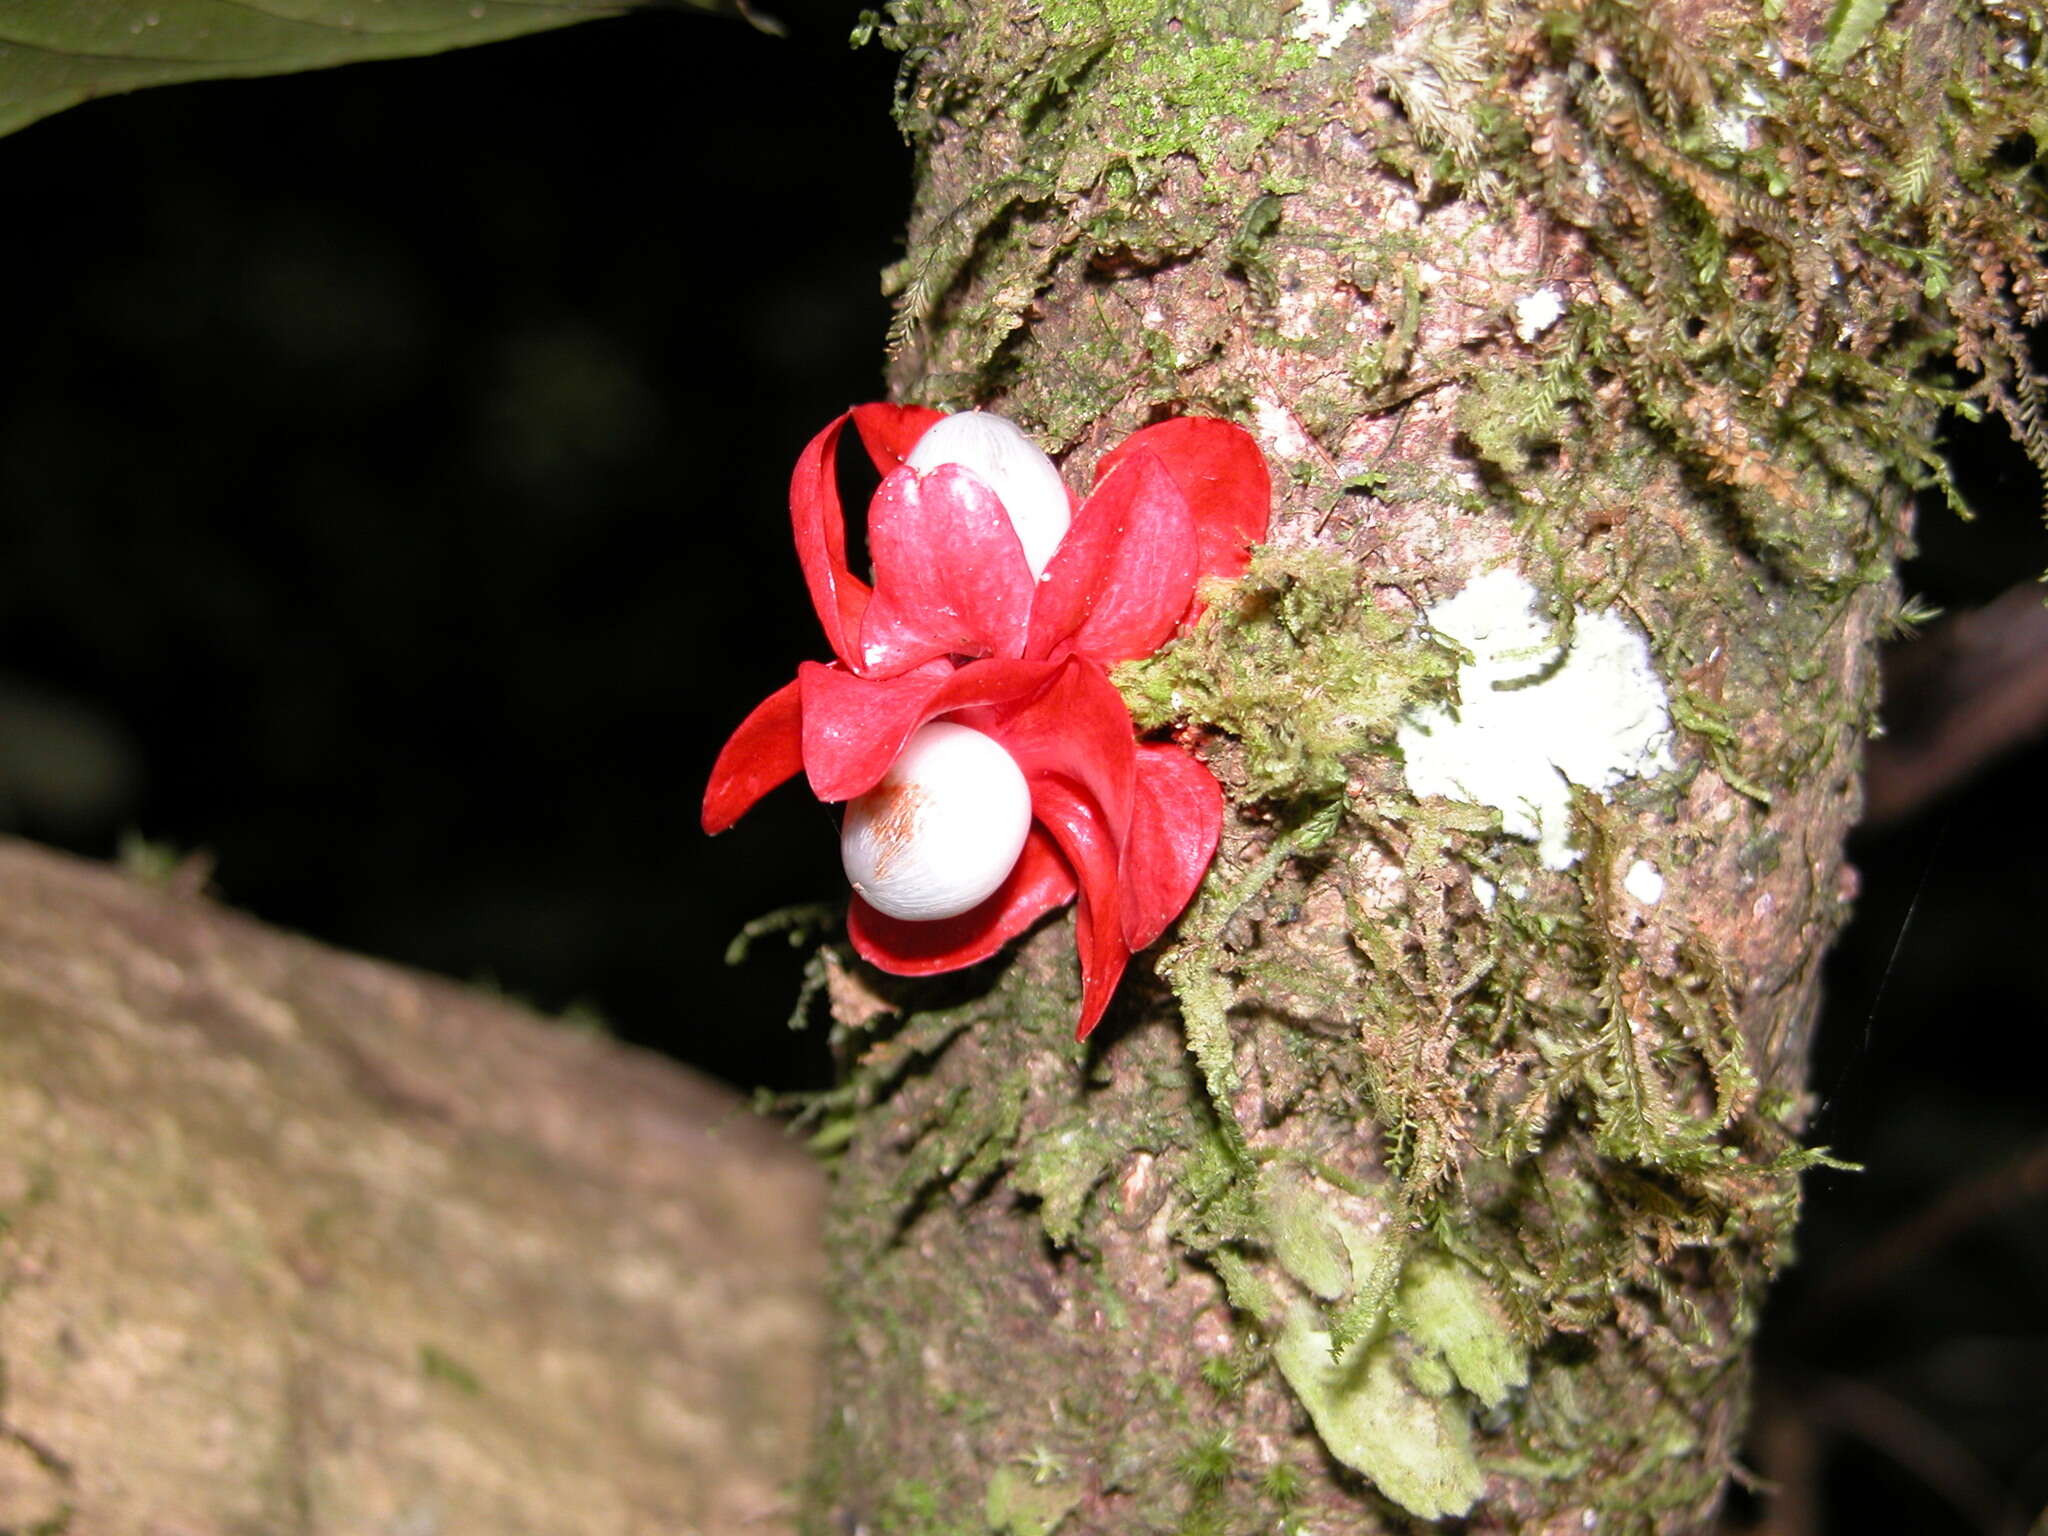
<point>1431,1179</point>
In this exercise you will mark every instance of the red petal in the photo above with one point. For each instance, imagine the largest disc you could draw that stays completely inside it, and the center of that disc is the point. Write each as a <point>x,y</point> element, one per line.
<point>889,432</point>
<point>950,577</point>
<point>1126,571</point>
<point>1040,882</point>
<point>1221,472</point>
<point>1175,818</point>
<point>820,528</point>
<point>854,727</point>
<point>1076,725</point>
<point>1077,826</point>
<point>989,684</point>
<point>1073,579</point>
<point>765,751</point>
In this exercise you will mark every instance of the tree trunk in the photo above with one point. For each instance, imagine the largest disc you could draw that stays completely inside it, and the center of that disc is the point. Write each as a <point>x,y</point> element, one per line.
<point>292,1242</point>
<point>1442,1174</point>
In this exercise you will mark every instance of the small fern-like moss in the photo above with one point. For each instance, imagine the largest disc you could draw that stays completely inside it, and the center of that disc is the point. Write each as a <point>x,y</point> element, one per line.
<point>1305,668</point>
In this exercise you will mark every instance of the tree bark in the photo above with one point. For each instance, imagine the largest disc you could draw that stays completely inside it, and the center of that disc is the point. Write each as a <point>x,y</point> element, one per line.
<point>1430,1180</point>
<point>292,1242</point>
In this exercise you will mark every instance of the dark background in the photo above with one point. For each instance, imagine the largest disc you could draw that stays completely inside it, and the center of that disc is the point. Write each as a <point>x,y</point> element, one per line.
<point>395,462</point>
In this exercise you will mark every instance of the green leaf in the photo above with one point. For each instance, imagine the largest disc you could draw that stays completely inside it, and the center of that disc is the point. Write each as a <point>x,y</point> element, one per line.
<point>1416,1448</point>
<point>1849,28</point>
<point>1303,1238</point>
<point>1447,1307</point>
<point>57,53</point>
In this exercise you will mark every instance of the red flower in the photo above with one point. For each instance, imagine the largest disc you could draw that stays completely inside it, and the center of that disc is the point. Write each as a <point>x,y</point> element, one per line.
<point>996,606</point>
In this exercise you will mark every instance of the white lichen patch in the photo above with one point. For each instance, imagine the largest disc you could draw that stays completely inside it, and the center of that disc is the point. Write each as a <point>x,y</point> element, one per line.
<point>1537,312</point>
<point>1278,427</point>
<point>1327,25</point>
<point>1733,126</point>
<point>1644,882</point>
<point>1531,723</point>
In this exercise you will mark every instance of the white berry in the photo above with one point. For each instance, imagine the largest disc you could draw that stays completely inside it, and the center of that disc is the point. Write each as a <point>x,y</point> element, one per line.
<point>942,830</point>
<point>1012,466</point>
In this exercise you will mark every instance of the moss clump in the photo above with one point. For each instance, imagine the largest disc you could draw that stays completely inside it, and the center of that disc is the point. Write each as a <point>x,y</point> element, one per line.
<point>1785,238</point>
<point>1302,666</point>
<point>1097,109</point>
<point>1142,81</point>
<point>1185,82</point>
<point>1028,1502</point>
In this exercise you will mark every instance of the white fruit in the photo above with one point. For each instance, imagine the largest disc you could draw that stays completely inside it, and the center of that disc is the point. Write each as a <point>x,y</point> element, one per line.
<point>1012,466</point>
<point>942,830</point>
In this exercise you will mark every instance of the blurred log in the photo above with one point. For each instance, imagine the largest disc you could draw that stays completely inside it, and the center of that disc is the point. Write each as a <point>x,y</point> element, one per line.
<point>1973,686</point>
<point>296,1242</point>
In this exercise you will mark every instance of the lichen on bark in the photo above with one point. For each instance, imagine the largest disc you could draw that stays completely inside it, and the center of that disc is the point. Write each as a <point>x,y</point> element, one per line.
<point>1428,1180</point>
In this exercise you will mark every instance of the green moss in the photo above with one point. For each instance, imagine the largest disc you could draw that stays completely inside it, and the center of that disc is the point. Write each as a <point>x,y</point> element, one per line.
<point>1161,94</point>
<point>1771,306</point>
<point>161,865</point>
<point>914,1507</point>
<point>1062,1167</point>
<point>1021,1502</point>
<point>1509,416</point>
<point>436,1364</point>
<point>1209,1462</point>
<point>1419,1334</point>
<point>1301,665</point>
<point>1099,106</point>
<point>1147,80</point>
